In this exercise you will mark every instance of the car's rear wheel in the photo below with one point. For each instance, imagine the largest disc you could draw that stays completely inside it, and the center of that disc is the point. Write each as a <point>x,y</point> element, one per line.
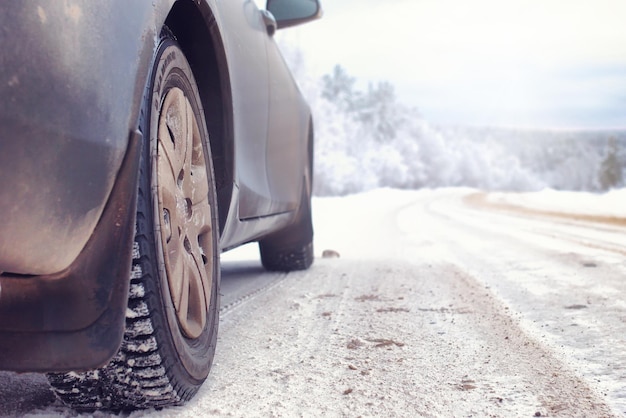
<point>172,315</point>
<point>292,247</point>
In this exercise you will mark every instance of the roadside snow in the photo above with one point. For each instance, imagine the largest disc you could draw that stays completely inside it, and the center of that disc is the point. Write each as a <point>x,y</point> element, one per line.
<point>612,203</point>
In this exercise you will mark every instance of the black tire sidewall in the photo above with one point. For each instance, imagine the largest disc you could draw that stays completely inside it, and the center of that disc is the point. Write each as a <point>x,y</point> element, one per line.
<point>189,358</point>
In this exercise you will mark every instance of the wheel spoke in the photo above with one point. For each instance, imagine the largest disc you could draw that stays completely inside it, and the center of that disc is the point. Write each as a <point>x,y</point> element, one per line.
<point>167,153</point>
<point>199,232</point>
<point>195,310</point>
<point>204,260</point>
<point>168,189</point>
<point>169,148</point>
<point>201,220</point>
<point>195,185</point>
<point>197,188</point>
<point>175,268</point>
<point>190,127</point>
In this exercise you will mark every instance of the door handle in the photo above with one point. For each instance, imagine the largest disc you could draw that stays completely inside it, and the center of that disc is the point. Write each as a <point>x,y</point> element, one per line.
<point>270,22</point>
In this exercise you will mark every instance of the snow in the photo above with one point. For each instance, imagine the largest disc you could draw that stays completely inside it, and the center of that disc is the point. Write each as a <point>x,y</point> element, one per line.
<point>433,308</point>
<point>376,234</point>
<point>611,203</point>
<point>551,303</point>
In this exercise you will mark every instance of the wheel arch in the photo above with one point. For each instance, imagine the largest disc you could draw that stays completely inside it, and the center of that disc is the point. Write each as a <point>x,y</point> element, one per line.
<point>194,27</point>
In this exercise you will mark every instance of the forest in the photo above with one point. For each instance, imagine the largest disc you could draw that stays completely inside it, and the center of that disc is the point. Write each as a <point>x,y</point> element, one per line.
<point>366,139</point>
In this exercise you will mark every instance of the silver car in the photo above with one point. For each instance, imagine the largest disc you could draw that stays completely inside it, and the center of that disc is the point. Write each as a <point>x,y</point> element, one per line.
<point>139,140</point>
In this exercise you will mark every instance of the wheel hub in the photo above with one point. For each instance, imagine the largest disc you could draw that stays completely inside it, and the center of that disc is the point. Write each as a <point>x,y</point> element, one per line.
<point>184,212</point>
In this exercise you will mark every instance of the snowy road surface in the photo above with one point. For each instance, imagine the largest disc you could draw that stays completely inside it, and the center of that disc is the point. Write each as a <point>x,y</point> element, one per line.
<point>443,303</point>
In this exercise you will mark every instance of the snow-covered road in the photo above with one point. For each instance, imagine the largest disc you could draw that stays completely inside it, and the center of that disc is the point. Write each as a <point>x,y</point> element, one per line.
<point>443,303</point>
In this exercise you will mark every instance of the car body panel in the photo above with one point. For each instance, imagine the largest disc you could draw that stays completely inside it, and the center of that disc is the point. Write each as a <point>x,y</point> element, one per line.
<point>285,157</point>
<point>74,319</point>
<point>65,115</point>
<point>247,64</point>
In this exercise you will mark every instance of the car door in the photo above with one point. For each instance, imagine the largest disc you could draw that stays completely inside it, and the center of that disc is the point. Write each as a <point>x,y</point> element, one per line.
<point>245,42</point>
<point>287,134</point>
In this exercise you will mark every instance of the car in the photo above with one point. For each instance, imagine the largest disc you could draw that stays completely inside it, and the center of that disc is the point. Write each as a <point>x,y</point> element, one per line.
<point>138,141</point>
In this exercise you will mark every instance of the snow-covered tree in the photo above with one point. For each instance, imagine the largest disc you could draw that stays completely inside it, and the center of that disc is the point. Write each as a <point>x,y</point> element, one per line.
<point>338,88</point>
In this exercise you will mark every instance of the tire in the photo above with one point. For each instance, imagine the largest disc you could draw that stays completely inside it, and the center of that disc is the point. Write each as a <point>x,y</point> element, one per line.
<point>292,247</point>
<point>172,316</point>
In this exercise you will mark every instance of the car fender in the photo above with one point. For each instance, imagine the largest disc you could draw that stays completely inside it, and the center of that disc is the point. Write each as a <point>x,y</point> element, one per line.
<point>70,99</point>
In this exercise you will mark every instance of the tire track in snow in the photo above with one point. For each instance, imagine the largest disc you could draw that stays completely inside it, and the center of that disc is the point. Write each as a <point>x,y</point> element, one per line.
<point>565,278</point>
<point>244,281</point>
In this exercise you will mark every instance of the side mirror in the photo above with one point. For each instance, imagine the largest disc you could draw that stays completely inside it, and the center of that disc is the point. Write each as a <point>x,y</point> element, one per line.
<point>294,12</point>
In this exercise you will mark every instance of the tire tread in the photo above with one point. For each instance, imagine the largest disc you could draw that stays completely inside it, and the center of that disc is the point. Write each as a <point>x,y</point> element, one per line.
<point>295,258</point>
<point>136,377</point>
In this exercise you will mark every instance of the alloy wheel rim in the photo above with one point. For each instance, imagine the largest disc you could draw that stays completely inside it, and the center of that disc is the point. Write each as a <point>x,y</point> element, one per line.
<point>184,212</point>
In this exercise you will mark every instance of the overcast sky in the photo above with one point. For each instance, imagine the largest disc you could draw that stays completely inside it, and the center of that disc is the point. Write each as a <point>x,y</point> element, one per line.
<point>529,63</point>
